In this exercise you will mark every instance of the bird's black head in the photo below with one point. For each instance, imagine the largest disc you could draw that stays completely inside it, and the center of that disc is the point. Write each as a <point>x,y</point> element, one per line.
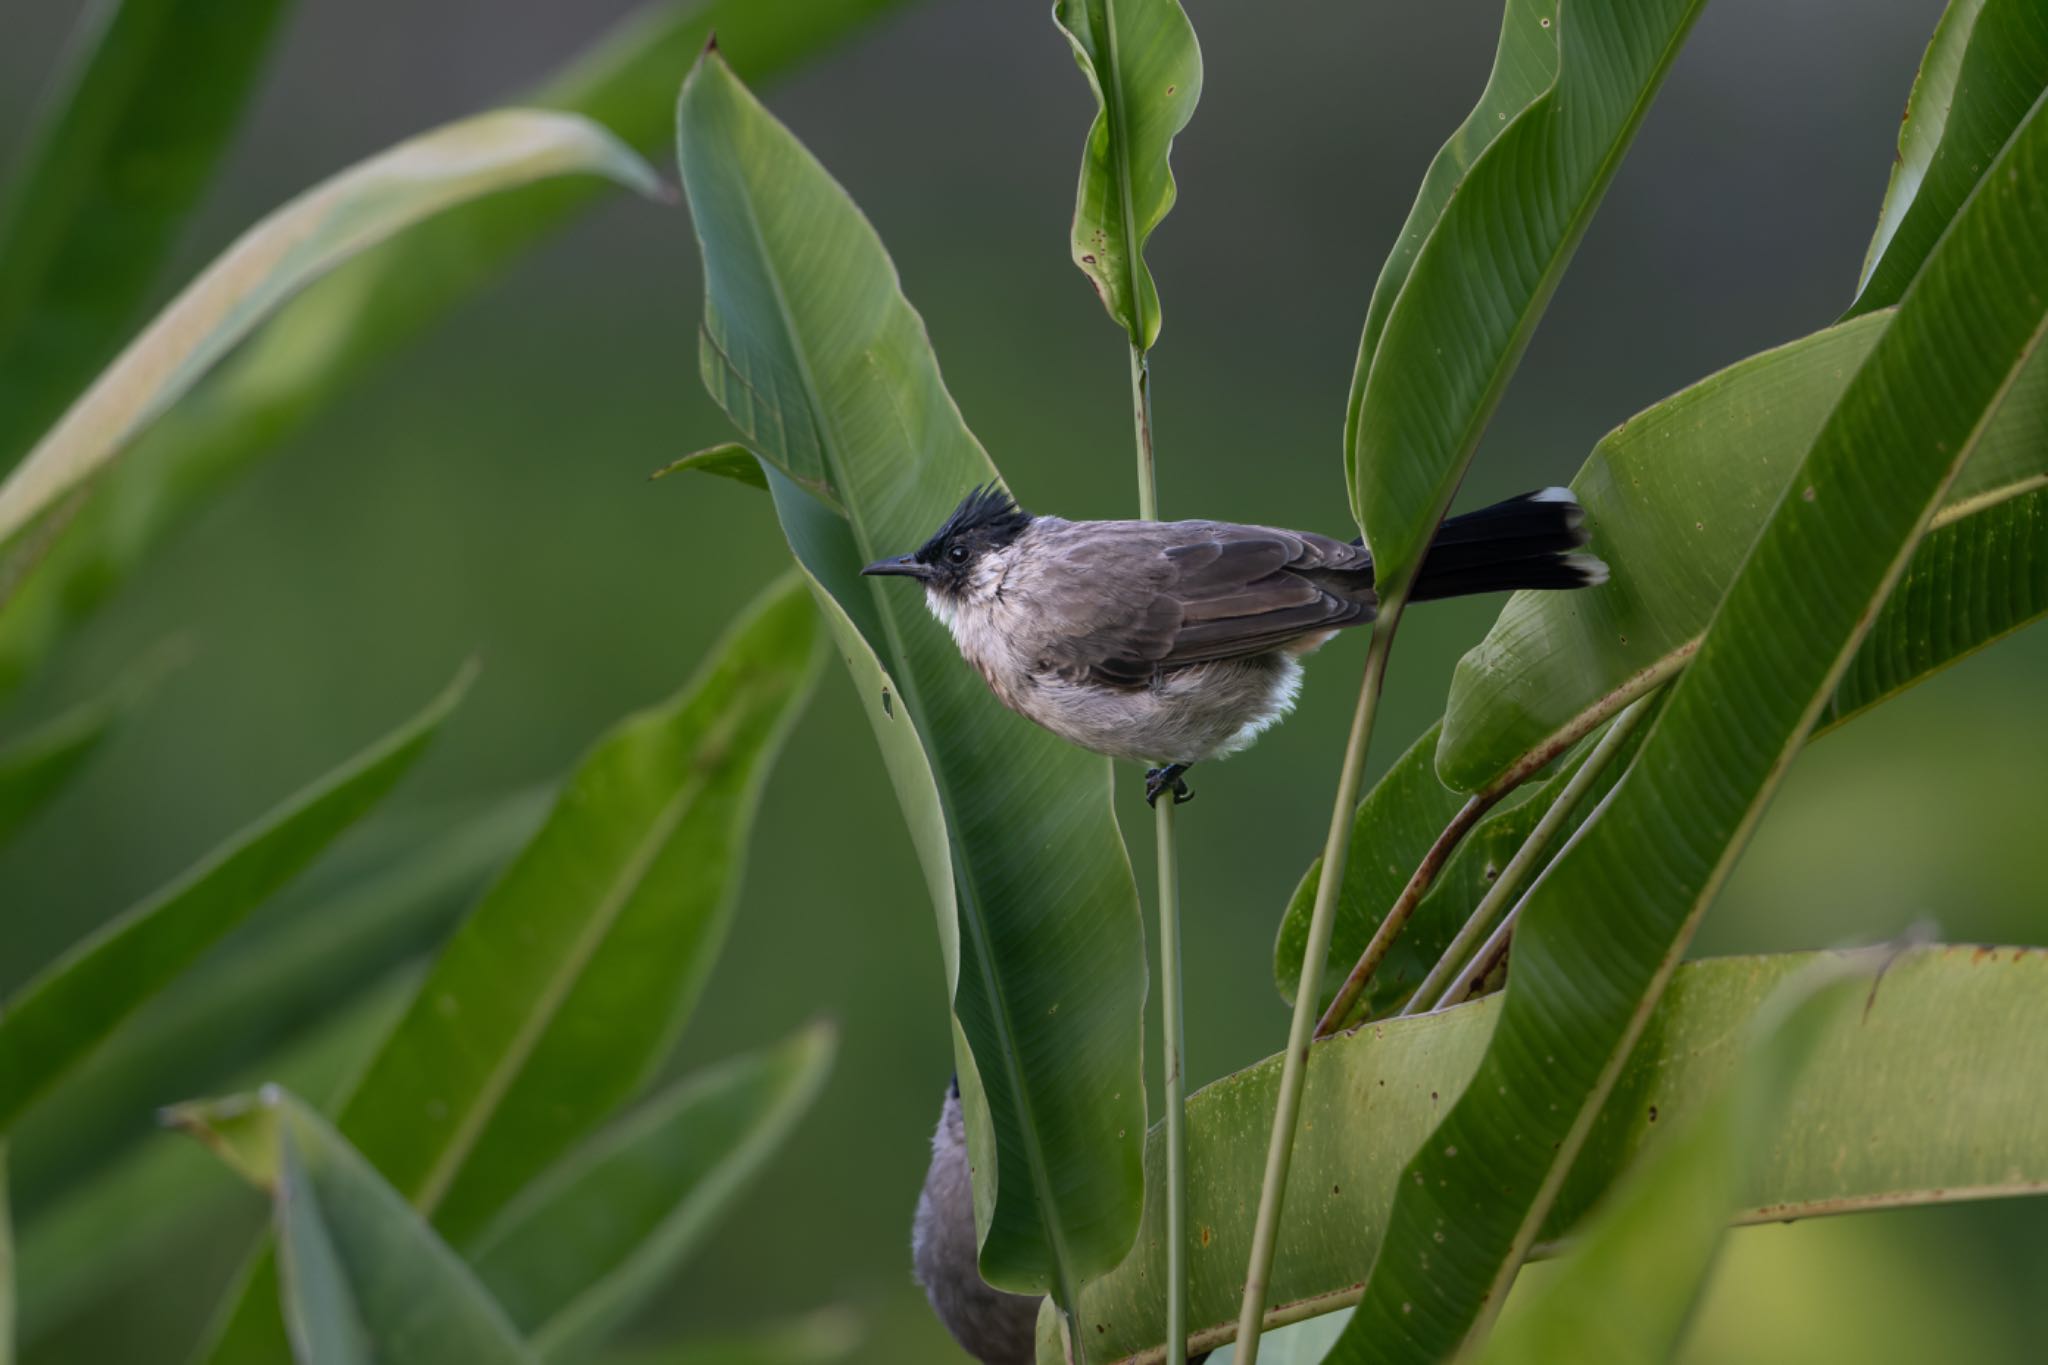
<point>986,520</point>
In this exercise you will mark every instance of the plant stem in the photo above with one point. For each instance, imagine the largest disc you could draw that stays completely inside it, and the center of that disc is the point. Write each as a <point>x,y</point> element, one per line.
<point>1348,1001</point>
<point>1294,1067</point>
<point>1436,987</point>
<point>1172,1034</point>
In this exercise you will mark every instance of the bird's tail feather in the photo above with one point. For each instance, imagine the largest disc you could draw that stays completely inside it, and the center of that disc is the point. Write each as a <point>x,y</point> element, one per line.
<point>1525,542</point>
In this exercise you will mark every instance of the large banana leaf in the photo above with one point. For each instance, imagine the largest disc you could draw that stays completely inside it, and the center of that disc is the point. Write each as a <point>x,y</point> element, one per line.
<point>365,1279</point>
<point>367,307</point>
<point>1636,1268</point>
<point>1501,211</point>
<point>281,255</point>
<point>127,141</point>
<point>1141,59</point>
<point>53,1022</point>
<point>1858,1130</point>
<point>1602,930</point>
<point>1675,497</point>
<point>587,1243</point>
<point>561,992</point>
<point>1985,65</point>
<point>264,989</point>
<point>810,346</point>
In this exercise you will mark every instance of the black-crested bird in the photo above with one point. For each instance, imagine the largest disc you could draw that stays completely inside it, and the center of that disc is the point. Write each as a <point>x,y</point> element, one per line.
<point>1180,641</point>
<point>1176,642</point>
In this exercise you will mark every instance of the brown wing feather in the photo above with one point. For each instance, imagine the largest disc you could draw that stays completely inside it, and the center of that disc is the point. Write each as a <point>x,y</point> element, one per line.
<point>1152,596</point>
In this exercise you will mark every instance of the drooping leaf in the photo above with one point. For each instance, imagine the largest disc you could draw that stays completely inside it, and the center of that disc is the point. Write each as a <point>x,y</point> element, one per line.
<point>1675,496</point>
<point>811,348</point>
<point>280,255</point>
<point>1985,66</point>
<point>1638,1265</point>
<point>127,141</point>
<point>1142,61</point>
<point>54,1021</point>
<point>584,1245</point>
<point>1499,216</point>
<point>1601,931</point>
<point>364,1278</point>
<point>143,1210</point>
<point>561,992</point>
<point>366,308</point>
<point>268,986</point>
<point>35,767</point>
<point>730,460</point>
<point>1858,1130</point>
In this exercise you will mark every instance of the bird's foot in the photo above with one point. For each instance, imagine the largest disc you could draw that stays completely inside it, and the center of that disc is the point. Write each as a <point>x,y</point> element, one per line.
<point>1159,781</point>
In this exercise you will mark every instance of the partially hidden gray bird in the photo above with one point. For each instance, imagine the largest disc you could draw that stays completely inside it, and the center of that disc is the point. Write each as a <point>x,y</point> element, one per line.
<point>1176,642</point>
<point>992,1325</point>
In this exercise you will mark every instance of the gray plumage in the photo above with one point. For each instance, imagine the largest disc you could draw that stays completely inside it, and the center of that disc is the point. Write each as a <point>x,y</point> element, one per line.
<point>1180,641</point>
<point>994,1327</point>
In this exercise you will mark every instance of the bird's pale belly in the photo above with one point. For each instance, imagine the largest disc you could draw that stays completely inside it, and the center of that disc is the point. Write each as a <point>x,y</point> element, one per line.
<point>1190,714</point>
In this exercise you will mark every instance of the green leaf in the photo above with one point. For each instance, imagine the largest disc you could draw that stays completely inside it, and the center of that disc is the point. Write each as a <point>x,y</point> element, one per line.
<point>811,348</point>
<point>142,1211</point>
<point>1635,1270</point>
<point>1984,68</point>
<point>126,143</point>
<point>1499,216</point>
<point>1142,61</point>
<point>267,986</point>
<point>365,1279</point>
<point>729,460</point>
<point>54,1021</point>
<point>34,768</point>
<point>818,1338</point>
<point>1675,497</point>
<point>561,992</point>
<point>1601,931</point>
<point>280,255</point>
<point>363,310</point>
<point>1858,1131</point>
<point>588,1242</point>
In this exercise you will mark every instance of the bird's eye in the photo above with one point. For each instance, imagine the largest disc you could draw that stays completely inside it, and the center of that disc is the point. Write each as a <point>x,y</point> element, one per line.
<point>958,554</point>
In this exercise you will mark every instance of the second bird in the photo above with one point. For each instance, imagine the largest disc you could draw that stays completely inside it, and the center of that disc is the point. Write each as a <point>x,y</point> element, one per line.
<point>1174,642</point>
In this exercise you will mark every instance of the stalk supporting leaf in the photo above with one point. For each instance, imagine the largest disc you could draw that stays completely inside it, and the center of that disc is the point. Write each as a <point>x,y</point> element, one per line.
<point>1172,1029</point>
<point>1294,1067</point>
<point>1526,860</point>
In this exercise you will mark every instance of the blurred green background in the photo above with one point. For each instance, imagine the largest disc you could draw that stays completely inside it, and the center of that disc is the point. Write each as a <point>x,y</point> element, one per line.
<point>485,493</point>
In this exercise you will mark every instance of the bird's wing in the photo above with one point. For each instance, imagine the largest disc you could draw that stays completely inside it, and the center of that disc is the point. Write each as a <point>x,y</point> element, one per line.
<point>1136,597</point>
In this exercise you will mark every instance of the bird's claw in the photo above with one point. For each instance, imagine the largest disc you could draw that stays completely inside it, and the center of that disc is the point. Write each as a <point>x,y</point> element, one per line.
<point>1159,781</point>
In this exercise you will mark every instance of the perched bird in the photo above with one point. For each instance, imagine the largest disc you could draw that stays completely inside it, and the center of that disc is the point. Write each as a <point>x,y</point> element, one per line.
<point>1180,641</point>
<point>993,1326</point>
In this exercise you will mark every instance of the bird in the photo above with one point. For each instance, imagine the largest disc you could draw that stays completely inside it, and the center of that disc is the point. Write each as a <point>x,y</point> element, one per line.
<point>1172,643</point>
<point>993,1325</point>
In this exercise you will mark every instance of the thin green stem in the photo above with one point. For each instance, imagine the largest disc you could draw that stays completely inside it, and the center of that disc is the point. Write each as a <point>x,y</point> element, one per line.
<point>1349,1005</point>
<point>1141,423</point>
<point>1171,1032</point>
<point>1437,985</point>
<point>1294,1067</point>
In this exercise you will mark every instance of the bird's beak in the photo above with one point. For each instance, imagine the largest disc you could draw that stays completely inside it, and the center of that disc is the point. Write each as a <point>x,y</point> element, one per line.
<point>905,566</point>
